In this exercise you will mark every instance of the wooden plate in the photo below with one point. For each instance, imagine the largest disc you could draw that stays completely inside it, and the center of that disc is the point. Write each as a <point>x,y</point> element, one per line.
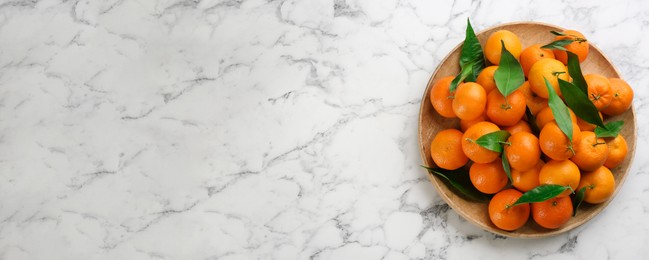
<point>430,123</point>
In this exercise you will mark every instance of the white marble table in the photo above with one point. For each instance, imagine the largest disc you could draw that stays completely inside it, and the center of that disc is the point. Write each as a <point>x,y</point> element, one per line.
<point>247,129</point>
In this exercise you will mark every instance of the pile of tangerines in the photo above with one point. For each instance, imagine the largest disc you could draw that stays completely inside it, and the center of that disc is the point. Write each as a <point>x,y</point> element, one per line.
<point>549,157</point>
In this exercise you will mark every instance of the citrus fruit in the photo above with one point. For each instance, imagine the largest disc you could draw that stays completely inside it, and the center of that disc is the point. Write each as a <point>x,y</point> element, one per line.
<point>488,178</point>
<point>441,98</point>
<point>579,46</point>
<point>521,126</point>
<point>523,151</point>
<point>585,126</point>
<point>527,180</point>
<point>622,97</point>
<point>550,69</point>
<point>465,124</point>
<point>505,111</point>
<point>617,150</point>
<point>470,101</point>
<point>493,47</point>
<point>599,90</point>
<point>591,152</point>
<point>555,144</point>
<point>486,78</point>
<point>545,116</point>
<point>552,213</point>
<point>560,173</point>
<point>532,54</point>
<point>534,102</point>
<point>446,149</point>
<point>503,214</point>
<point>600,185</point>
<point>474,151</point>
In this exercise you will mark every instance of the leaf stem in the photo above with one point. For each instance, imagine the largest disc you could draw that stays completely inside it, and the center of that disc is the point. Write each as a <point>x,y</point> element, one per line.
<point>506,106</point>
<point>571,190</point>
<point>571,149</point>
<point>578,39</point>
<point>598,143</point>
<point>557,73</point>
<point>595,97</point>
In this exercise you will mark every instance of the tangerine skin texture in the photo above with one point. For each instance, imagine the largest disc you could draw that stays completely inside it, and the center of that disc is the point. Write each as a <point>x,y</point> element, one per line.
<point>617,150</point>
<point>503,215</point>
<point>488,178</point>
<point>475,152</point>
<point>552,213</point>
<point>561,173</point>
<point>446,149</point>
<point>600,185</point>
<point>523,152</point>
<point>505,111</point>
<point>470,101</point>
<point>441,97</point>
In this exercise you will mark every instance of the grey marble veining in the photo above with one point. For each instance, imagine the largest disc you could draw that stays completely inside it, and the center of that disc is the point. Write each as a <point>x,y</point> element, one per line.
<point>245,129</point>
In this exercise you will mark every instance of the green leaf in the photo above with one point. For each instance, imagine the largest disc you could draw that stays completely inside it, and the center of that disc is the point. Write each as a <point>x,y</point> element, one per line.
<point>558,33</point>
<point>559,110</point>
<point>558,45</point>
<point>460,181</point>
<point>471,58</point>
<point>531,120</point>
<point>494,140</point>
<point>541,193</point>
<point>577,199</point>
<point>460,77</point>
<point>612,129</point>
<point>472,55</point>
<point>508,169</point>
<point>574,69</point>
<point>509,75</point>
<point>579,103</point>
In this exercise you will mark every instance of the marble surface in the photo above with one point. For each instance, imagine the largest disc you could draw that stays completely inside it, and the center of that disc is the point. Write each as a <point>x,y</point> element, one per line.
<point>246,129</point>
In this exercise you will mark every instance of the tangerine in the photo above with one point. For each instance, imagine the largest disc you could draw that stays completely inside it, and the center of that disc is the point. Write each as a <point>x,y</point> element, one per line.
<point>486,78</point>
<point>505,111</point>
<point>470,101</point>
<point>521,126</point>
<point>474,151</point>
<point>555,144</point>
<point>599,90</point>
<point>523,151</point>
<point>446,149</point>
<point>545,116</point>
<point>617,150</point>
<point>600,185</point>
<point>585,126</point>
<point>503,214</point>
<point>579,46</point>
<point>550,69</point>
<point>552,213</point>
<point>622,97</point>
<point>560,173</point>
<point>493,47</point>
<point>465,124</point>
<point>534,102</point>
<point>488,178</point>
<point>527,180</point>
<point>591,152</point>
<point>531,55</point>
<point>441,97</point>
